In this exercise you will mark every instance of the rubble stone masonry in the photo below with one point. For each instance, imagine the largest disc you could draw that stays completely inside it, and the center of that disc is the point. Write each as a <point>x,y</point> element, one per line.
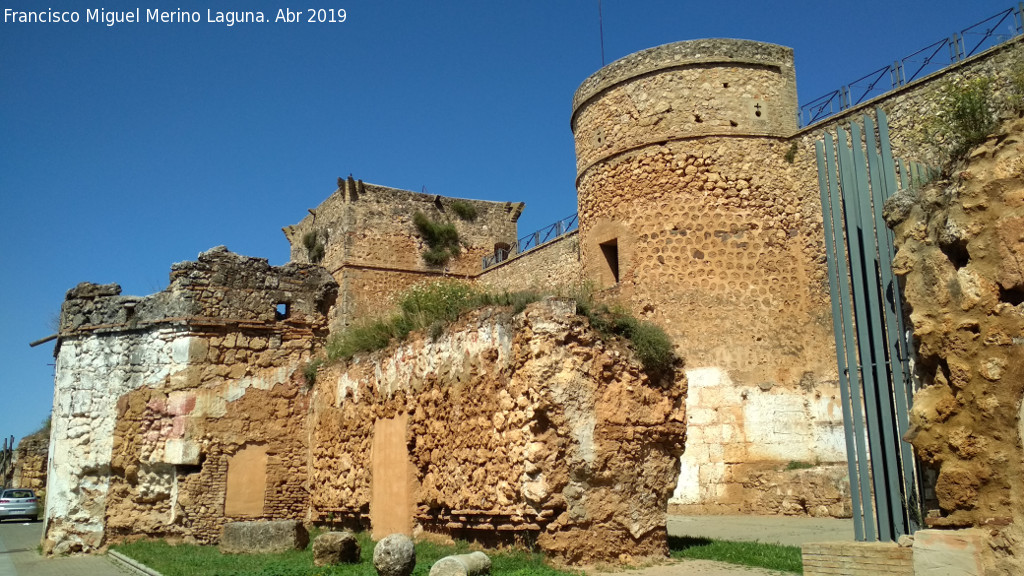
<point>692,218</point>
<point>154,395</point>
<point>373,250</point>
<point>506,426</point>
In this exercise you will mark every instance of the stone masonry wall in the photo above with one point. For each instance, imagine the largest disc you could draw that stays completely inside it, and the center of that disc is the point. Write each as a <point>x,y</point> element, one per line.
<point>961,262</point>
<point>509,424</point>
<point>145,386</point>
<point>373,249</point>
<point>30,461</point>
<point>553,267</point>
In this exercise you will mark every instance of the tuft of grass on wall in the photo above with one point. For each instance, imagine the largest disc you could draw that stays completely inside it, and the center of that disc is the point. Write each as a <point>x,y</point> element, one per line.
<point>649,342</point>
<point>423,307</point>
<point>442,239</point>
<point>314,246</point>
<point>464,210</point>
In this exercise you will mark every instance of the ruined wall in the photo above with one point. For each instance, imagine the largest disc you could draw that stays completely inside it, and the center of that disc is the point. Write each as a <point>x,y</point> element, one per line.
<point>691,216</point>
<point>146,389</point>
<point>30,461</point>
<point>553,267</point>
<point>961,262</point>
<point>508,424</point>
<point>374,251</point>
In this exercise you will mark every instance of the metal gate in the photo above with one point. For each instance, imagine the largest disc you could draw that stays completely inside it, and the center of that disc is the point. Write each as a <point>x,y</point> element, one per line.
<point>856,174</point>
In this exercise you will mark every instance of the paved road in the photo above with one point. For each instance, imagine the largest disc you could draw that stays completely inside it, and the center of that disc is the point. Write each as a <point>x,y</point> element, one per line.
<point>19,555</point>
<point>788,530</point>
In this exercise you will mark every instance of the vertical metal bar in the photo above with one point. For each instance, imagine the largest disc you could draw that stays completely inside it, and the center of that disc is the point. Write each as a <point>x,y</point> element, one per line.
<point>826,174</point>
<point>855,345</point>
<point>899,469</point>
<point>894,325</point>
<point>862,259</point>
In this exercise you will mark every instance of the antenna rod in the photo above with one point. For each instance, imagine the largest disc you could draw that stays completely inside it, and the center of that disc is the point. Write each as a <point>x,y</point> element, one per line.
<point>600,24</point>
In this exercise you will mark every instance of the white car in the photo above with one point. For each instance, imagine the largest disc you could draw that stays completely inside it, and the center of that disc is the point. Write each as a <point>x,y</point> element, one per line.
<point>18,503</point>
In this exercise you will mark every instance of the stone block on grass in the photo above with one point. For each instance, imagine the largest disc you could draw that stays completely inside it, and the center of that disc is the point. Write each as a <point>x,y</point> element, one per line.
<point>332,548</point>
<point>263,537</point>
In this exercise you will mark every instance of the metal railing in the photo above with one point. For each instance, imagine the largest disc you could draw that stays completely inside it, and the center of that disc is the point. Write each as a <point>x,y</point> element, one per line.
<point>531,241</point>
<point>932,58</point>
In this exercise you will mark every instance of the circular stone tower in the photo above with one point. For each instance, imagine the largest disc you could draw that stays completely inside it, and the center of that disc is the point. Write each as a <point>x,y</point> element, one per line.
<point>695,216</point>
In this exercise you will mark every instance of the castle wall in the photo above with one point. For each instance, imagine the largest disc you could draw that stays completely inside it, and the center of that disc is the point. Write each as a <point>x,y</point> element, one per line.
<point>374,251</point>
<point>154,395</point>
<point>912,109</point>
<point>30,461</point>
<point>513,425</point>
<point>553,267</point>
<point>691,216</point>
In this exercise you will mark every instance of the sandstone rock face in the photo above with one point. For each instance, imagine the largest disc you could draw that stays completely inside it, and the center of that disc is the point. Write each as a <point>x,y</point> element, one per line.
<point>394,555</point>
<point>472,564</point>
<point>511,424</point>
<point>335,548</point>
<point>263,537</point>
<point>959,249</point>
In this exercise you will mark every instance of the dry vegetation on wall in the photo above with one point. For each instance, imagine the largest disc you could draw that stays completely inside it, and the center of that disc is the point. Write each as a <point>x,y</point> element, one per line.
<point>970,111</point>
<point>442,239</point>
<point>961,260</point>
<point>432,306</point>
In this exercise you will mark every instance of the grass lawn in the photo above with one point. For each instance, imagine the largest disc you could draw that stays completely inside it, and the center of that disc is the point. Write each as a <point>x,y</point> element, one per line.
<point>772,556</point>
<point>190,560</point>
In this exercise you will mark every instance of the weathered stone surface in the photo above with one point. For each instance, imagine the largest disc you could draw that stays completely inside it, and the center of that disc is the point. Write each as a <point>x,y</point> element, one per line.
<point>163,391</point>
<point>965,297</point>
<point>526,422</point>
<point>263,537</point>
<point>335,548</point>
<point>472,564</point>
<point>394,555</point>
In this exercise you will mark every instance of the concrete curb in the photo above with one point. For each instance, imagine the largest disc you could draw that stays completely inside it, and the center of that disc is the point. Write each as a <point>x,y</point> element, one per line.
<point>133,566</point>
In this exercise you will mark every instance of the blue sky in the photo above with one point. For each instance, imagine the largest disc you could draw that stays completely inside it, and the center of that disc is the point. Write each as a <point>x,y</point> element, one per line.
<point>127,148</point>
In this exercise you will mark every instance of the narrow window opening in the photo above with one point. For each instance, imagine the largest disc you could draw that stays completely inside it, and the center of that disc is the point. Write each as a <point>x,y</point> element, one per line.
<point>283,310</point>
<point>733,123</point>
<point>501,251</point>
<point>725,84</point>
<point>610,250</point>
<point>697,118</point>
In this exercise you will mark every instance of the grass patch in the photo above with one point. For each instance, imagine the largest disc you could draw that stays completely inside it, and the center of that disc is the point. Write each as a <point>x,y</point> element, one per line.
<point>771,556</point>
<point>464,210</point>
<point>649,342</point>
<point>441,237</point>
<point>424,307</point>
<point>432,306</point>
<point>191,560</point>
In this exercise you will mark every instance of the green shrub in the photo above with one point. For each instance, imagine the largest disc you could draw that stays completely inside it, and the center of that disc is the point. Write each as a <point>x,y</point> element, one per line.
<point>791,153</point>
<point>441,238</point>
<point>464,210</point>
<point>314,246</point>
<point>309,371</point>
<point>1016,98</point>
<point>966,117</point>
<point>649,342</point>
<point>799,465</point>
